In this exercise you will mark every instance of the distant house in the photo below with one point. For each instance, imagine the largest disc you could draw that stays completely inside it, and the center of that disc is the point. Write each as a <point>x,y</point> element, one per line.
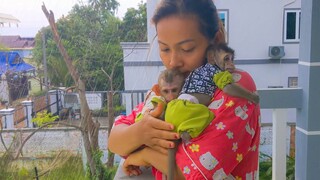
<point>14,74</point>
<point>22,45</point>
<point>8,19</point>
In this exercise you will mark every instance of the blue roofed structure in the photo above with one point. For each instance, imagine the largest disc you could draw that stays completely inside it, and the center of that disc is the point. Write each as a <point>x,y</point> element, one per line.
<point>12,61</point>
<point>14,73</point>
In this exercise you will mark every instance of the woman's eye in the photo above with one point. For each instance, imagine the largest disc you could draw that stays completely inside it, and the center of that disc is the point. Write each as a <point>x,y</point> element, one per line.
<point>165,50</point>
<point>188,50</point>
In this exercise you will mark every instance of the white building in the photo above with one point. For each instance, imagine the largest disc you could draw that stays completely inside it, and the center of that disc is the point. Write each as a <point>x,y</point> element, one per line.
<point>265,35</point>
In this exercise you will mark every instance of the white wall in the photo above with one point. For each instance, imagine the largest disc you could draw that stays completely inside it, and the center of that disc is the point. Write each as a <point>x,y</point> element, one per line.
<point>256,25</point>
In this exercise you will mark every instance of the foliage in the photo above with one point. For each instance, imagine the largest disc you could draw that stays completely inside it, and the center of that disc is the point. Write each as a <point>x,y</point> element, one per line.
<point>100,112</point>
<point>71,169</point>
<point>91,34</point>
<point>23,173</point>
<point>104,5</point>
<point>4,168</point>
<point>102,173</point>
<point>44,117</point>
<point>265,167</point>
<point>91,39</point>
<point>104,111</point>
<point>290,168</point>
<point>134,25</point>
<point>38,93</point>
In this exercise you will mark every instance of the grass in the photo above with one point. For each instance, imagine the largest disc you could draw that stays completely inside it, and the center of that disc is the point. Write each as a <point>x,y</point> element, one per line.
<point>63,166</point>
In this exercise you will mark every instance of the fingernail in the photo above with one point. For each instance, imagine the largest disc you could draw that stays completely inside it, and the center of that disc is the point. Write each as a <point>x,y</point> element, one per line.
<point>171,145</point>
<point>176,136</point>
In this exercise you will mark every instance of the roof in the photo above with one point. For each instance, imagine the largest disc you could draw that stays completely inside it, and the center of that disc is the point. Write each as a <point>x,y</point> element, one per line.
<point>12,61</point>
<point>7,18</point>
<point>17,42</point>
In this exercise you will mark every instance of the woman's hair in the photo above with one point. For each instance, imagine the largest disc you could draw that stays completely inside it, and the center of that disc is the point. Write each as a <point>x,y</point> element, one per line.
<point>204,10</point>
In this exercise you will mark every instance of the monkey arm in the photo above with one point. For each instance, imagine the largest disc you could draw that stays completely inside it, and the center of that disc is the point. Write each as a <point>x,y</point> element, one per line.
<point>236,90</point>
<point>224,81</point>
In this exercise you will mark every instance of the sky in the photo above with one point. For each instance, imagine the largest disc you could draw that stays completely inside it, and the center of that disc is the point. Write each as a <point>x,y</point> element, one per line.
<point>32,18</point>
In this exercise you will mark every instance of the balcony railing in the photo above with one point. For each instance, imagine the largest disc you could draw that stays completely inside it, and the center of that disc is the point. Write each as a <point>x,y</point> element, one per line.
<point>277,99</point>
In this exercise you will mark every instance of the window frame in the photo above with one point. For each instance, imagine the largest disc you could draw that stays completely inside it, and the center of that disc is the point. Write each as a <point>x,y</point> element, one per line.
<point>226,21</point>
<point>297,27</point>
<point>291,80</point>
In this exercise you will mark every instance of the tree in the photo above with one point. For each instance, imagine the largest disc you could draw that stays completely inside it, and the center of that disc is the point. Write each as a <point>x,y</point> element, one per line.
<point>104,5</point>
<point>91,39</point>
<point>87,42</point>
<point>134,25</point>
<point>89,128</point>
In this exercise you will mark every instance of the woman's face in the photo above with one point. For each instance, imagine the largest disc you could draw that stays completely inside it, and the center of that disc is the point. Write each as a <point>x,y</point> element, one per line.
<point>181,44</point>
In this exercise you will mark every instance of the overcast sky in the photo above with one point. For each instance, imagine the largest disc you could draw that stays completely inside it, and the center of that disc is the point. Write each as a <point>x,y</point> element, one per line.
<point>32,18</point>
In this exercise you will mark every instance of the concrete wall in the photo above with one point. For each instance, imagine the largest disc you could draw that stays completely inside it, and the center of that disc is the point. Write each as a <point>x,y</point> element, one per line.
<point>48,142</point>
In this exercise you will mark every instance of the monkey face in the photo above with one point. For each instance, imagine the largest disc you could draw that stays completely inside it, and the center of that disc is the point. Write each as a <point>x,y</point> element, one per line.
<point>170,90</point>
<point>224,60</point>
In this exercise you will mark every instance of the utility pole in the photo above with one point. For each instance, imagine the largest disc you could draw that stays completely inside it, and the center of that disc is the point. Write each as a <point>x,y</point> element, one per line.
<point>46,86</point>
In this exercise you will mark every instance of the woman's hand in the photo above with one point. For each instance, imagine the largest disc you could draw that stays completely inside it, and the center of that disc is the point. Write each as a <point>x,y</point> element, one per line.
<point>156,134</point>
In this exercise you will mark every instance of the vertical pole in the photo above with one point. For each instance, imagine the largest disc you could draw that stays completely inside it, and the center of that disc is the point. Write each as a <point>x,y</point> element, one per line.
<point>307,164</point>
<point>57,97</point>
<point>279,129</point>
<point>45,68</point>
<point>9,121</point>
<point>28,109</point>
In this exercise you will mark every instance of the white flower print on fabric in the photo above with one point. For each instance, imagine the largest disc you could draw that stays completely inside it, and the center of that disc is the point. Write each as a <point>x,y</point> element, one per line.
<point>194,166</point>
<point>220,126</point>
<point>216,104</point>
<point>186,170</point>
<point>219,174</point>
<point>236,77</point>
<point>253,148</point>
<point>241,112</point>
<point>229,134</point>
<point>234,147</point>
<point>208,161</point>
<point>250,130</point>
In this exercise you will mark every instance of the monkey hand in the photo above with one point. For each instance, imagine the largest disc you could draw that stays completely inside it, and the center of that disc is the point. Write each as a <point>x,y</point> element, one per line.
<point>159,104</point>
<point>133,162</point>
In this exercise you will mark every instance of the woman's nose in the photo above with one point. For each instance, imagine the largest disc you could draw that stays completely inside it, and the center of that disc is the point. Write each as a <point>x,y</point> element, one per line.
<point>175,60</point>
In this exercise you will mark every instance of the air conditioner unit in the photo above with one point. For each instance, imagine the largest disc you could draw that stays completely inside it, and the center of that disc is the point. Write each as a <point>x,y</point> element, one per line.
<point>276,52</point>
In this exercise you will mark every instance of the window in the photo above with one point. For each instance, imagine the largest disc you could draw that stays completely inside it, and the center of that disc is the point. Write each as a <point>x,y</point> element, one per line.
<point>291,26</point>
<point>292,82</point>
<point>224,17</point>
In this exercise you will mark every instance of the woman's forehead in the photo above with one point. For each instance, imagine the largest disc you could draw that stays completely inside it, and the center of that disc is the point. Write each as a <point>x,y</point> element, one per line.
<point>178,28</point>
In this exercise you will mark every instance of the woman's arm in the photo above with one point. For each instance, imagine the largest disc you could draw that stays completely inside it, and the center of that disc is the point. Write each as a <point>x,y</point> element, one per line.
<point>149,157</point>
<point>152,132</point>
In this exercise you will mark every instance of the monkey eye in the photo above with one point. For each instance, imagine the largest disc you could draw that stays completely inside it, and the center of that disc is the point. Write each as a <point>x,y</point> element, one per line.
<point>227,58</point>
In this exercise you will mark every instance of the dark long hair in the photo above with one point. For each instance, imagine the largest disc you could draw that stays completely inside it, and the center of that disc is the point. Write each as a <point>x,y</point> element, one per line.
<point>204,10</point>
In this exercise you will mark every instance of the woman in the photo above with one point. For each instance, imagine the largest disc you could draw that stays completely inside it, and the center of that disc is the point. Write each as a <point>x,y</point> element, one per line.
<point>228,146</point>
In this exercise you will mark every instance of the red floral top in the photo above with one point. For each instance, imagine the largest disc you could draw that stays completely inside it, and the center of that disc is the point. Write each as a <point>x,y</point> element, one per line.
<point>228,147</point>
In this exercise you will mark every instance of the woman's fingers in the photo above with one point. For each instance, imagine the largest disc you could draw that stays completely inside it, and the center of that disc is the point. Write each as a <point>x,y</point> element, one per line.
<point>156,133</point>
